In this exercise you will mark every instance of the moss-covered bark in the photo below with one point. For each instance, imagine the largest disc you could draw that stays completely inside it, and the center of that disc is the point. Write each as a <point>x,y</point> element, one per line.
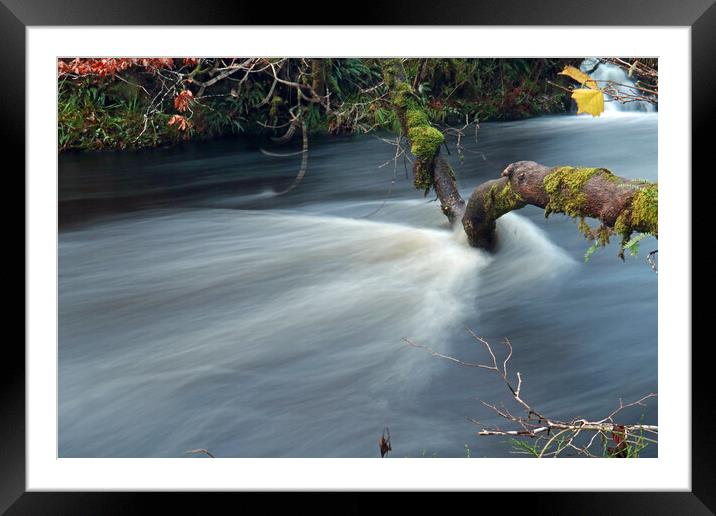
<point>488,202</point>
<point>570,193</point>
<point>623,206</point>
<point>430,170</point>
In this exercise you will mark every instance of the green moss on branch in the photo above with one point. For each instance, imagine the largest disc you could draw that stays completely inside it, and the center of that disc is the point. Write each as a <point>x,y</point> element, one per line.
<point>564,187</point>
<point>499,201</point>
<point>645,209</point>
<point>641,216</point>
<point>416,117</point>
<point>425,140</point>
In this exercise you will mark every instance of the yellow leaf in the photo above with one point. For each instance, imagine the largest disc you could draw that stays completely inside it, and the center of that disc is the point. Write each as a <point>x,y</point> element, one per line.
<point>589,101</point>
<point>579,76</point>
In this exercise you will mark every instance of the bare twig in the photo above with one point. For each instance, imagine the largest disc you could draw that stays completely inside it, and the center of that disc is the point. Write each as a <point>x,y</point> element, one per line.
<point>200,450</point>
<point>304,162</point>
<point>556,435</point>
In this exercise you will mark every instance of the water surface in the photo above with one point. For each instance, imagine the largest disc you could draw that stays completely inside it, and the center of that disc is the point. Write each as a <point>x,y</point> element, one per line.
<point>200,310</point>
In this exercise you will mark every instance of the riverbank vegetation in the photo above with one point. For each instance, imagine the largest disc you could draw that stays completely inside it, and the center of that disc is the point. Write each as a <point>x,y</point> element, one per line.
<point>117,103</point>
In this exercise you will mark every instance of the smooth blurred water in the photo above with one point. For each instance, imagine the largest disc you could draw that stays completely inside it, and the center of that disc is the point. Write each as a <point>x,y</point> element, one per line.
<point>200,310</point>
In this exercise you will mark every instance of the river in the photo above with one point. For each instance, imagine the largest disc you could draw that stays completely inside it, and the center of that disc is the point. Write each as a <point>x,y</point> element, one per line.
<point>199,310</point>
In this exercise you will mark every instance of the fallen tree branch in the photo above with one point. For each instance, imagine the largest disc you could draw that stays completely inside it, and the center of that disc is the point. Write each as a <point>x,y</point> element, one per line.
<point>431,169</point>
<point>556,435</point>
<point>623,206</point>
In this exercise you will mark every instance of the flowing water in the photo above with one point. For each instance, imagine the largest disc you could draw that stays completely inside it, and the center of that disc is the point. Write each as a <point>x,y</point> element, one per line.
<point>603,72</point>
<point>199,310</point>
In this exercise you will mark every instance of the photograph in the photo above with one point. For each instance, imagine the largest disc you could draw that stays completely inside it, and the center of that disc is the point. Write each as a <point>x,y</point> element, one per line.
<point>357,257</point>
<point>417,252</point>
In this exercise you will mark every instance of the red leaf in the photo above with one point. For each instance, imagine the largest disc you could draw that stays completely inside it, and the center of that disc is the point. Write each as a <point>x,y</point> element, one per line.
<point>182,101</point>
<point>182,123</point>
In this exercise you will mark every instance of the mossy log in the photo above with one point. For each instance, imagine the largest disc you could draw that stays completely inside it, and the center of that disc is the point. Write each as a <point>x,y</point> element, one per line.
<point>623,206</point>
<point>431,169</point>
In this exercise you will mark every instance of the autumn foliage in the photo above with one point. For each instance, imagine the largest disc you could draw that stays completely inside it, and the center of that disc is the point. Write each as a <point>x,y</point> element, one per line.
<point>183,99</point>
<point>182,124</point>
<point>81,67</point>
<point>88,72</point>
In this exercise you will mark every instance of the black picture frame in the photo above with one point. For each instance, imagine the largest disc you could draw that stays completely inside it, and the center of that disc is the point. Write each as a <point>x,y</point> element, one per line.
<point>16,15</point>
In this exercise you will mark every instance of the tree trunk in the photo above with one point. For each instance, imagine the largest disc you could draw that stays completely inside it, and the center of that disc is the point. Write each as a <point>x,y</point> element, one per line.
<point>451,203</point>
<point>623,206</point>
<point>430,169</point>
<point>482,212</point>
<point>318,74</point>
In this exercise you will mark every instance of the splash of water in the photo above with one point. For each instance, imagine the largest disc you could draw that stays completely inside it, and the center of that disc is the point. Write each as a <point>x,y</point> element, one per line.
<point>293,309</point>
